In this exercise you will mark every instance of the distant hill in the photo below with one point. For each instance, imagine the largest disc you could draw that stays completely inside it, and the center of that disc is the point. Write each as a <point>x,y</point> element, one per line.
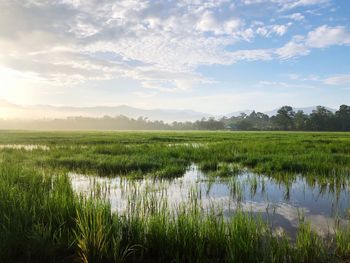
<point>48,111</point>
<point>14,111</point>
<point>6,104</point>
<point>237,113</point>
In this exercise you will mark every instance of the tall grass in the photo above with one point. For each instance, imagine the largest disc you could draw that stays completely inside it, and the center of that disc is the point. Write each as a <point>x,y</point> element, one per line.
<point>168,154</point>
<point>43,221</point>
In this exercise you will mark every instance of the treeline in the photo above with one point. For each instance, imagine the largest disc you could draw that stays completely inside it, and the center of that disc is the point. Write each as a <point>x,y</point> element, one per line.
<point>286,119</point>
<point>321,119</point>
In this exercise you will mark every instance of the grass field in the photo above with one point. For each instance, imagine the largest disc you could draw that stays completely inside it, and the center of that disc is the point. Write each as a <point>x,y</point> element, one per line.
<point>43,220</point>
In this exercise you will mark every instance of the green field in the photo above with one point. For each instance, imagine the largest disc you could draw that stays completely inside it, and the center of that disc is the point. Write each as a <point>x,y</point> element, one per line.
<point>43,219</point>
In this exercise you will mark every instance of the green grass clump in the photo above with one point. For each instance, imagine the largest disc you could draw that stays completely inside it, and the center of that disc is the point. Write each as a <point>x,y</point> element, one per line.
<point>309,246</point>
<point>225,170</point>
<point>342,241</point>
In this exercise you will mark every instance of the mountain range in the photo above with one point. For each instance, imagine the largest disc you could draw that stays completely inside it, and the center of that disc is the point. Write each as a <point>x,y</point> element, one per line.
<point>15,111</point>
<point>11,111</point>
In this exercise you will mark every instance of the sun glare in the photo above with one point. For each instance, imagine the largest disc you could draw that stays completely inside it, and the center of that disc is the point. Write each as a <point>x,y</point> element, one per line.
<point>14,86</point>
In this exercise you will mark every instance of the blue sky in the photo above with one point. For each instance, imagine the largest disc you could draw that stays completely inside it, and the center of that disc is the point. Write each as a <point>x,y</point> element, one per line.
<point>211,56</point>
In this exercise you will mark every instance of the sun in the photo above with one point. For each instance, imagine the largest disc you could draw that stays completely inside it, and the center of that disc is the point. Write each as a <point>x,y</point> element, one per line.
<point>14,85</point>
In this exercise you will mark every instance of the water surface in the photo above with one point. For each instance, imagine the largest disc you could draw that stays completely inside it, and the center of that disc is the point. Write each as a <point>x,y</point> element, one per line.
<point>27,147</point>
<point>281,204</point>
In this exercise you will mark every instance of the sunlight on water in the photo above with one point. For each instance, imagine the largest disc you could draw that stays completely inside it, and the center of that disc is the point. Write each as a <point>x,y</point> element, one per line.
<point>27,147</point>
<point>282,204</point>
<point>186,144</point>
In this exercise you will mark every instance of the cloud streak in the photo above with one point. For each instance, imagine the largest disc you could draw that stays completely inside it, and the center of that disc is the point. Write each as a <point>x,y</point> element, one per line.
<point>322,37</point>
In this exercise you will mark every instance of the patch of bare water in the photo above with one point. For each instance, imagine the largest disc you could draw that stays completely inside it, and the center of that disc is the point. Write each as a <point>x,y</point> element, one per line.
<point>27,147</point>
<point>186,144</point>
<point>282,205</point>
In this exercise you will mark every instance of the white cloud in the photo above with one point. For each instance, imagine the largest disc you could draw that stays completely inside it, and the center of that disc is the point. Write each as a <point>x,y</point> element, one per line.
<point>281,84</point>
<point>268,31</point>
<point>333,80</point>
<point>263,31</point>
<point>286,4</point>
<point>290,4</point>
<point>325,36</point>
<point>292,49</point>
<point>209,23</point>
<point>322,37</point>
<point>295,16</point>
<point>280,29</point>
<point>341,79</point>
<point>251,55</point>
<point>293,76</point>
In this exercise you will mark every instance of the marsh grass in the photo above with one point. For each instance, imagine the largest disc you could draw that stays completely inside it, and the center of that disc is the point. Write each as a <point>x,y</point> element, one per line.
<point>43,220</point>
<point>125,153</point>
<point>342,241</point>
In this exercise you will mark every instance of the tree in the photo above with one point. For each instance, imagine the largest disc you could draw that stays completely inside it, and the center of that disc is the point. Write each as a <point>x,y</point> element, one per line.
<point>285,118</point>
<point>243,115</point>
<point>244,125</point>
<point>321,119</point>
<point>300,120</point>
<point>343,118</point>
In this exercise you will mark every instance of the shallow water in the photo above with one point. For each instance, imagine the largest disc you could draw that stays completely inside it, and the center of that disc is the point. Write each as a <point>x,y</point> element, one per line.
<point>27,147</point>
<point>281,204</point>
<point>186,144</point>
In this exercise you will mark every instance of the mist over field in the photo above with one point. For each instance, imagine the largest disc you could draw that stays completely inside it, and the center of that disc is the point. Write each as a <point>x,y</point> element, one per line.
<point>45,117</point>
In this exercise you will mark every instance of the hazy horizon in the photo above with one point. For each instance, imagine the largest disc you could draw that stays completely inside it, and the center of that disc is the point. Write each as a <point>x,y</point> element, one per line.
<point>11,111</point>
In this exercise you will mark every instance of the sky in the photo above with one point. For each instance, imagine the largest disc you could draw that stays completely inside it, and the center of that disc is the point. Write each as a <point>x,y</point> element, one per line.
<point>213,56</point>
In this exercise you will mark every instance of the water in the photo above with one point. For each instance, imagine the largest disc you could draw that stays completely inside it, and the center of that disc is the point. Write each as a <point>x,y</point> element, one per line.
<point>281,204</point>
<point>27,147</point>
<point>186,144</point>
